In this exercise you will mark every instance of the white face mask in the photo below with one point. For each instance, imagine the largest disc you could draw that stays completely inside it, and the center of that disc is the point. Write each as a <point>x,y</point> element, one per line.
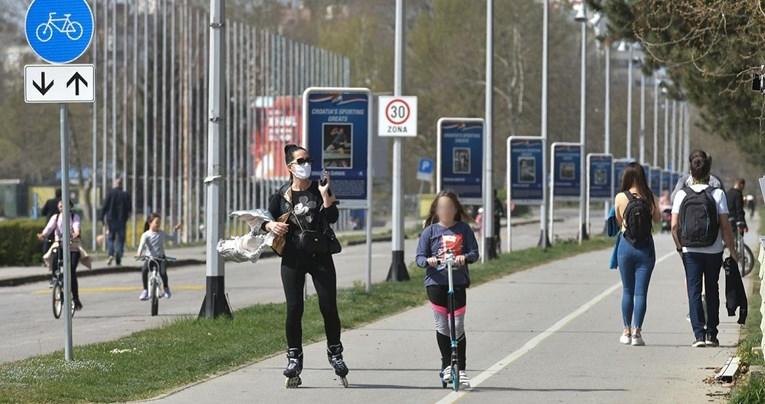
<point>303,171</point>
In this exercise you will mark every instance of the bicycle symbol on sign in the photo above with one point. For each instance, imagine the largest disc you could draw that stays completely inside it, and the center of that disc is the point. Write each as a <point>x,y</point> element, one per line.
<point>72,29</point>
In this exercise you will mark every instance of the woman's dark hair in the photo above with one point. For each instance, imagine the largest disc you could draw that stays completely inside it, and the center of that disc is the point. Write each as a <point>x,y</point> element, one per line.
<point>150,219</point>
<point>460,216</point>
<point>289,154</point>
<point>701,163</point>
<point>634,176</point>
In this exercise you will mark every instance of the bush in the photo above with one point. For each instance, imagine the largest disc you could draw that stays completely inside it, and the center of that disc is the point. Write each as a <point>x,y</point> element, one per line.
<point>18,242</point>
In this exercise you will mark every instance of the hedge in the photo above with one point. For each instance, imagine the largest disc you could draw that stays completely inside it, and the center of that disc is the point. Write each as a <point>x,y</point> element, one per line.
<point>18,242</point>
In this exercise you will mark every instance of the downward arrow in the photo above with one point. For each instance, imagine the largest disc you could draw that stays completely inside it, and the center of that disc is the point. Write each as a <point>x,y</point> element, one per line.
<point>77,78</point>
<point>42,88</point>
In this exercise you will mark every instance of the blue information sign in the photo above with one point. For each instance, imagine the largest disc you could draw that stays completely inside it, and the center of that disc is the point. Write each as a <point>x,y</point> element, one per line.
<point>656,181</point>
<point>59,31</point>
<point>600,176</point>
<point>460,157</point>
<point>618,172</point>
<point>337,137</point>
<point>666,181</point>
<point>567,175</point>
<point>526,169</point>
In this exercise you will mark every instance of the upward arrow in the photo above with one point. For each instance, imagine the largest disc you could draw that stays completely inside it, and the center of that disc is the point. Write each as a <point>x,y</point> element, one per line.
<point>42,88</point>
<point>76,79</point>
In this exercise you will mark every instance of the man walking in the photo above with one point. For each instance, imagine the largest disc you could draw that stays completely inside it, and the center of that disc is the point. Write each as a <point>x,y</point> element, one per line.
<point>115,213</point>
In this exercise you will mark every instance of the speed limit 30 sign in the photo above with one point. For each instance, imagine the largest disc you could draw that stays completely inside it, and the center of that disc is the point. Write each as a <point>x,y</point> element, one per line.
<point>397,116</point>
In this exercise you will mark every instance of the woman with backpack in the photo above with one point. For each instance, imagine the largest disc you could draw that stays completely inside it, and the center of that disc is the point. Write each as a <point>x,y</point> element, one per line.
<point>636,209</point>
<point>699,226</point>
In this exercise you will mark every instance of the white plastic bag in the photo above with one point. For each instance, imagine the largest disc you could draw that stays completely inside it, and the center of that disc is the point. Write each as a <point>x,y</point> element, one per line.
<point>249,246</point>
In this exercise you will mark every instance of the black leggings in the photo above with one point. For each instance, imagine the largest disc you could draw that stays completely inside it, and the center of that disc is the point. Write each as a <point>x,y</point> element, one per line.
<point>322,270</point>
<point>162,274</point>
<point>75,260</point>
<point>439,299</point>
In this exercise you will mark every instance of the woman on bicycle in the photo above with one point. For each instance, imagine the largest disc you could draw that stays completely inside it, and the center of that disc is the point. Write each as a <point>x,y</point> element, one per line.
<point>445,229</point>
<point>152,244</point>
<point>55,226</point>
<point>309,206</point>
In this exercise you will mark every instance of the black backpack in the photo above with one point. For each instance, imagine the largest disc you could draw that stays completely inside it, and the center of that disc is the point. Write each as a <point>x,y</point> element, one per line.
<point>699,221</point>
<point>637,216</point>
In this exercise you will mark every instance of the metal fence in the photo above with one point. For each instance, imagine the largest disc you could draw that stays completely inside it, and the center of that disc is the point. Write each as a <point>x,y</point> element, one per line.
<point>149,121</point>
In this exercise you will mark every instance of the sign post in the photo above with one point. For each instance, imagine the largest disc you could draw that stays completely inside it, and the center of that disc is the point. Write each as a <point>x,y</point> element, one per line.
<point>59,32</point>
<point>600,177</point>
<point>425,172</point>
<point>397,116</point>
<point>337,132</point>
<point>524,176</point>
<point>565,166</point>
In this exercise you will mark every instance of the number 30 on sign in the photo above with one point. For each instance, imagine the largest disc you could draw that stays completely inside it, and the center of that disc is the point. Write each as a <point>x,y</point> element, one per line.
<point>397,116</point>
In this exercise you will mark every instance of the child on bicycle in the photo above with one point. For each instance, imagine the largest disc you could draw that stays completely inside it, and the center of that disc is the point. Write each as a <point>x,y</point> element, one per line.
<point>445,230</point>
<point>152,244</point>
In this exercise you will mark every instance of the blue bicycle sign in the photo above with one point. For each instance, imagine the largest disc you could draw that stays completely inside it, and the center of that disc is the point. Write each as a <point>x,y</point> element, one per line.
<point>59,31</point>
<point>72,29</point>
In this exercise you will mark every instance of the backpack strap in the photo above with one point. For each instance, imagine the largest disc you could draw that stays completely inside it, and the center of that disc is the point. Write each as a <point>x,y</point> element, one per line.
<point>629,195</point>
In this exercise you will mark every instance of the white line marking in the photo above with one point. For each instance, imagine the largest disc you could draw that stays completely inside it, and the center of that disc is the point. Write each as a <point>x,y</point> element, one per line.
<point>534,342</point>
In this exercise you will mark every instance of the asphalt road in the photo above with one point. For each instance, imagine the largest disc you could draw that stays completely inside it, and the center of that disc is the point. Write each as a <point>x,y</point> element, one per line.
<point>112,308</point>
<point>546,335</point>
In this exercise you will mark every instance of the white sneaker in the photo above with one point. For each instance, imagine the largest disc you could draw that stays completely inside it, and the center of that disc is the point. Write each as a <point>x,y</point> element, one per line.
<point>446,374</point>
<point>637,341</point>
<point>109,260</point>
<point>167,293</point>
<point>464,379</point>
<point>625,339</point>
<point>144,295</point>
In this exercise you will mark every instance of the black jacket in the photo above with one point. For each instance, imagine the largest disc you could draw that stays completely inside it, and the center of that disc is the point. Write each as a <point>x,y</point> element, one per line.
<point>736,205</point>
<point>117,208</point>
<point>735,294</point>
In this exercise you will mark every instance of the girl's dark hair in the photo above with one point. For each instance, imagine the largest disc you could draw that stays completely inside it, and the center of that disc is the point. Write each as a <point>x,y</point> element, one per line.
<point>150,219</point>
<point>460,216</point>
<point>634,176</point>
<point>701,163</point>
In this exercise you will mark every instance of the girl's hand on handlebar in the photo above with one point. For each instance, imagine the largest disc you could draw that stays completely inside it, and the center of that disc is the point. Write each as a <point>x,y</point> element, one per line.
<point>278,228</point>
<point>432,261</point>
<point>460,260</point>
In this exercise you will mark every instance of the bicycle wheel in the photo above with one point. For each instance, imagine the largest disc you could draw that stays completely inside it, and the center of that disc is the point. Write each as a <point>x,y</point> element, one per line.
<point>44,32</point>
<point>154,298</point>
<point>75,31</point>
<point>748,261</point>
<point>58,300</point>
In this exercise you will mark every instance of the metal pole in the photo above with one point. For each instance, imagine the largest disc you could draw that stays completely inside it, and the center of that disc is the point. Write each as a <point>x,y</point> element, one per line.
<point>687,138</point>
<point>489,249</point>
<point>66,225</point>
<point>105,108</point>
<point>666,133</point>
<point>173,114</point>
<point>146,108</point>
<point>154,103</point>
<point>629,103</point>
<point>544,239</point>
<point>583,201</point>
<point>642,117</point>
<point>163,154</point>
<point>124,113</point>
<point>134,194</point>
<point>114,91</point>
<point>607,117</point>
<point>215,302</point>
<point>655,121</point>
<point>94,140</point>
<point>673,137</point>
<point>397,270</point>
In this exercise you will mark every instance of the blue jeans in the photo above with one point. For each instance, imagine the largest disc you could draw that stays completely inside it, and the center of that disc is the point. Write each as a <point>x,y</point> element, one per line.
<point>703,267</point>
<point>115,242</point>
<point>636,264</point>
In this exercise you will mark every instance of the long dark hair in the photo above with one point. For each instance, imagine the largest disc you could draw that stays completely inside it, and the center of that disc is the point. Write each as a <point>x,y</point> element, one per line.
<point>460,216</point>
<point>701,164</point>
<point>634,176</point>
<point>289,154</point>
<point>150,219</point>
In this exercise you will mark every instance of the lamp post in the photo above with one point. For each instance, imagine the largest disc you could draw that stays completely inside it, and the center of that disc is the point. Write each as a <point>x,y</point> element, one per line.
<point>581,17</point>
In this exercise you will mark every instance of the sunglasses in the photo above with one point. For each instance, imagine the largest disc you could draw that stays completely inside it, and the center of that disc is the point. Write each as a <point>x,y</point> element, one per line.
<point>302,161</point>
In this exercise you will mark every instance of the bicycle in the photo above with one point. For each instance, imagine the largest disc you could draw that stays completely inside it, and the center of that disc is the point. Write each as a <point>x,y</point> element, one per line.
<point>72,29</point>
<point>745,255</point>
<point>58,286</point>
<point>155,280</point>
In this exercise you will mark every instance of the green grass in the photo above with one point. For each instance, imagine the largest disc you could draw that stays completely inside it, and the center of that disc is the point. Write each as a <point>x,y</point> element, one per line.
<point>187,350</point>
<point>752,389</point>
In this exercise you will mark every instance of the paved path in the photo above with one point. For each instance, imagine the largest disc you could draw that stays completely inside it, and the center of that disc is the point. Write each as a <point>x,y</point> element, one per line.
<point>546,335</point>
<point>112,308</point>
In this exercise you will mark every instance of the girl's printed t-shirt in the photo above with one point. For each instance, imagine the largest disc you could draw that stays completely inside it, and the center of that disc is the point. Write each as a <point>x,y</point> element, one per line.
<point>435,241</point>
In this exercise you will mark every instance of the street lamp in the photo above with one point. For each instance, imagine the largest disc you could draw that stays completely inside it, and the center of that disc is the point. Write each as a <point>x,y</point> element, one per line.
<point>581,17</point>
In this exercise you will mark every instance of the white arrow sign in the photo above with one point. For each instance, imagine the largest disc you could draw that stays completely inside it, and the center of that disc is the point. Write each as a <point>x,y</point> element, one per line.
<point>397,116</point>
<point>59,83</point>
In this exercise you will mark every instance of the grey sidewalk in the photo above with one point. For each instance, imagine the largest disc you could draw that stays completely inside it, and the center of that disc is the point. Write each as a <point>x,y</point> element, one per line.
<point>549,334</point>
